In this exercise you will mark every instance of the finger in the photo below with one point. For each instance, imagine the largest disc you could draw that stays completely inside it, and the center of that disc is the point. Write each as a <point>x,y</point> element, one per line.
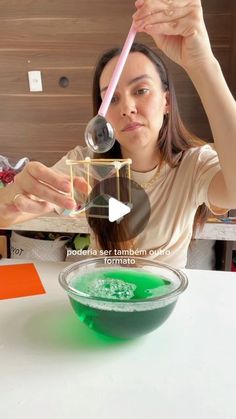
<point>47,175</point>
<point>139,3</point>
<point>157,17</point>
<point>148,7</point>
<point>25,183</point>
<point>42,191</point>
<point>26,204</point>
<point>81,185</point>
<point>164,8</point>
<point>184,27</point>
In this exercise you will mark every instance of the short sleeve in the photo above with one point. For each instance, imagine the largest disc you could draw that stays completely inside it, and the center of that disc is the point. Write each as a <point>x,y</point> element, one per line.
<point>207,165</point>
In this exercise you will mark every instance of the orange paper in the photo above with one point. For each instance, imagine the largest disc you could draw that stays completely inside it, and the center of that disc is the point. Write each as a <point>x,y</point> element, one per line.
<point>19,280</point>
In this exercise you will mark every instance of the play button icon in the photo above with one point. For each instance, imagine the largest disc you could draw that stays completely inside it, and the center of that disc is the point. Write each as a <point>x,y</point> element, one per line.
<point>118,204</point>
<point>117,210</point>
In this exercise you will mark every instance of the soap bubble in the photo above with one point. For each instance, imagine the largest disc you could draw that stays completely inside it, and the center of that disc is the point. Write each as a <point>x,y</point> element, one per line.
<point>99,135</point>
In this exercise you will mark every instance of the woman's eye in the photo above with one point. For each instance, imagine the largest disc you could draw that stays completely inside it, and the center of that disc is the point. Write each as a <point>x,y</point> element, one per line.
<point>142,91</point>
<point>114,99</point>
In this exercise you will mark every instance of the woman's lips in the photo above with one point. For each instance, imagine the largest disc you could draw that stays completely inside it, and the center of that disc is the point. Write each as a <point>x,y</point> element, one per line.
<point>131,127</point>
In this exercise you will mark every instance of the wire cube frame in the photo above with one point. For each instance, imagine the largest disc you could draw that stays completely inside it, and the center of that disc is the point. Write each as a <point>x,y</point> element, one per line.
<point>88,163</point>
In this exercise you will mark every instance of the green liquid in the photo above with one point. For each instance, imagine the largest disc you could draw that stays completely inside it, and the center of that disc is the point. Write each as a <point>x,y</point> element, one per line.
<point>122,285</point>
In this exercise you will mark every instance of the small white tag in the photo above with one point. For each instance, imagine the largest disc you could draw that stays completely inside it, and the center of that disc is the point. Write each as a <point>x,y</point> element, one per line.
<point>35,81</point>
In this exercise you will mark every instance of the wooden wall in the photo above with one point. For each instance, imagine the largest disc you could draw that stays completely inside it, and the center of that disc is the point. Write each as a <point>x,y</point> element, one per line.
<point>64,38</point>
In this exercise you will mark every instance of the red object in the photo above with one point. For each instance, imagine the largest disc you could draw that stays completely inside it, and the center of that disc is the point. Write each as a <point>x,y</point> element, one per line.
<point>7,176</point>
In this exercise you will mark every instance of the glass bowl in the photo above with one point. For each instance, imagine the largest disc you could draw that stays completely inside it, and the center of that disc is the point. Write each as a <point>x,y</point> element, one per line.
<point>122,297</point>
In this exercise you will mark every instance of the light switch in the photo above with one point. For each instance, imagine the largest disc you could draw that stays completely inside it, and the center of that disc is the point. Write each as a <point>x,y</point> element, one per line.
<point>35,81</point>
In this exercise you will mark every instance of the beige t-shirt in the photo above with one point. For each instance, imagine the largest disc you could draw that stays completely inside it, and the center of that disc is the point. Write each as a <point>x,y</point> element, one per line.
<point>174,194</point>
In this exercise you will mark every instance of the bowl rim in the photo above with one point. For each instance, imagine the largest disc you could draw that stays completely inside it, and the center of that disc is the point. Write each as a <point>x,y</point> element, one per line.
<point>172,295</point>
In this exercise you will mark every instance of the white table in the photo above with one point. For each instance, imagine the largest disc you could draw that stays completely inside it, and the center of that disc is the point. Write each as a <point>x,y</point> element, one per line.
<point>52,366</point>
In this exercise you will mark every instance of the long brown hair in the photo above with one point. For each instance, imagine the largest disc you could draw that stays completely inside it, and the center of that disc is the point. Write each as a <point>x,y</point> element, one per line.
<point>174,139</point>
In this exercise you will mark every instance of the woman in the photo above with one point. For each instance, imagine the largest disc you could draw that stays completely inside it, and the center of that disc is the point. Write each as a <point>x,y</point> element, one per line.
<point>179,175</point>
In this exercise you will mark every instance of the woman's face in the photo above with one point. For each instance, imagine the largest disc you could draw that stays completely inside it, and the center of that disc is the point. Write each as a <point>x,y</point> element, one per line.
<point>138,106</point>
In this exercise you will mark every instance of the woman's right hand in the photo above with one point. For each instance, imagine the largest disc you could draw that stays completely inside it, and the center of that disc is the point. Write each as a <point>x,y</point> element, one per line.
<point>37,189</point>
<point>178,29</point>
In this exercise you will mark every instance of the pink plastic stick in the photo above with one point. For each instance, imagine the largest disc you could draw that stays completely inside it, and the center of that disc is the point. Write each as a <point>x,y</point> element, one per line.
<point>117,72</point>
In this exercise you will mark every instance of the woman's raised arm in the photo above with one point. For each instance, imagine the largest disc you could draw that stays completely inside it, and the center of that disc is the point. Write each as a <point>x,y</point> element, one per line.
<point>178,28</point>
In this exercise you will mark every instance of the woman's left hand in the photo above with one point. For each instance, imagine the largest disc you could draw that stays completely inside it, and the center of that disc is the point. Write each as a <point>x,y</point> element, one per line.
<point>177,27</point>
